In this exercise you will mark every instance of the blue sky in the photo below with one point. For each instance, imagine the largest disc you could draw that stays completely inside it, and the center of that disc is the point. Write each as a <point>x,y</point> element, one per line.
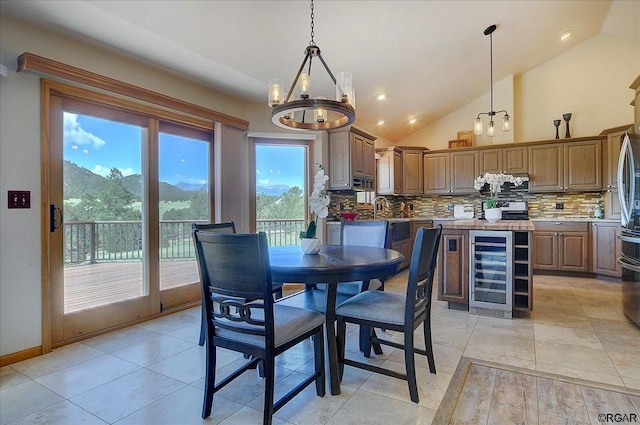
<point>280,165</point>
<point>99,145</point>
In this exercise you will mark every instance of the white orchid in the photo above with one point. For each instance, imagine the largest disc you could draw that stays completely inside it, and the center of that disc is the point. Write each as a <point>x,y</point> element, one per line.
<point>318,202</point>
<point>495,182</point>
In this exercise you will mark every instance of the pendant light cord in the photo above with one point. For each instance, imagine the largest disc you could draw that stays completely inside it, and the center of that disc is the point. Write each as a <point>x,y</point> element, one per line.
<point>312,42</point>
<point>491,71</point>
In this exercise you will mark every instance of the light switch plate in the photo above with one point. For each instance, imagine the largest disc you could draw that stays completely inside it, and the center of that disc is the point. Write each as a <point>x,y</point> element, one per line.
<point>19,199</point>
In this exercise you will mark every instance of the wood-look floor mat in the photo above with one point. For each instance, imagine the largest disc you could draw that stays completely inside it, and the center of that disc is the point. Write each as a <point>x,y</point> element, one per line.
<point>486,393</point>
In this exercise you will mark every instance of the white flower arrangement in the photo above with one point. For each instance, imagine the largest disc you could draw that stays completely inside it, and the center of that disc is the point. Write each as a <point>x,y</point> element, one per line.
<point>318,203</point>
<point>495,182</point>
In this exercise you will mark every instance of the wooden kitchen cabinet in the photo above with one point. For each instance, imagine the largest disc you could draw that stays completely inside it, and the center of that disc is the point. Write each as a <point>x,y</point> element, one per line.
<point>490,161</point>
<point>610,154</point>
<point>437,173</point>
<point>389,178</point>
<point>605,249</point>
<point>352,160</point>
<point>412,171</point>
<point>404,247</point>
<point>561,246</point>
<point>454,172</point>
<point>453,267</point>
<point>512,160</point>
<point>400,171</point>
<point>464,170</point>
<point>570,166</point>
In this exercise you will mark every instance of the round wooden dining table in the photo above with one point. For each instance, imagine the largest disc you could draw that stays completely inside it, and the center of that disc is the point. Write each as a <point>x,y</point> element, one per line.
<point>332,265</point>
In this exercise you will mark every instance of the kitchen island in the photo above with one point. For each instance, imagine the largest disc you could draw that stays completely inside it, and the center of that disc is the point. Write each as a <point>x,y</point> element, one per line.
<point>457,273</point>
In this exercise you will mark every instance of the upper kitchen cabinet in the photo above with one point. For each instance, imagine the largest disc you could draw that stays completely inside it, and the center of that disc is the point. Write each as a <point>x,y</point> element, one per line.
<point>452,172</point>
<point>464,170</point>
<point>437,173</point>
<point>610,154</point>
<point>400,171</point>
<point>570,166</point>
<point>352,162</point>
<point>449,173</point>
<point>389,171</point>
<point>504,160</point>
<point>412,177</point>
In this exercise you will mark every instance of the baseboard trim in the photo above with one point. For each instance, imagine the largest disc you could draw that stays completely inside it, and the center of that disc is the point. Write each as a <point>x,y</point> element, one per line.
<point>18,356</point>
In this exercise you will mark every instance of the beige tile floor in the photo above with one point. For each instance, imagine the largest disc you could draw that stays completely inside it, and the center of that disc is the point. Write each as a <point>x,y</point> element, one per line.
<point>153,373</point>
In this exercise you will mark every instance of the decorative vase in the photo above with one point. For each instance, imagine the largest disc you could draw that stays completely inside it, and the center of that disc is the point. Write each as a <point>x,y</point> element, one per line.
<point>567,118</point>
<point>557,124</point>
<point>310,245</point>
<point>493,215</point>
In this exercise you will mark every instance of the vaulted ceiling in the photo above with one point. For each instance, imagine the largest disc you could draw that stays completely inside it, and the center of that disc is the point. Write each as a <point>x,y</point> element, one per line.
<point>428,57</point>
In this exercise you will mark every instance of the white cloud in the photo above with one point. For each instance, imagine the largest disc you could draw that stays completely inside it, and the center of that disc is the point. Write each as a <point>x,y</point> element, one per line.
<point>263,181</point>
<point>104,171</point>
<point>74,134</point>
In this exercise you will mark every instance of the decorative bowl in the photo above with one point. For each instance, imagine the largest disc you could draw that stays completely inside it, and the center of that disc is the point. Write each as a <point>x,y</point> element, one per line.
<point>349,215</point>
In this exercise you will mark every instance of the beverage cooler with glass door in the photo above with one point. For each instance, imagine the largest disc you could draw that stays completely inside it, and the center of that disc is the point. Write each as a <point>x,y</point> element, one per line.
<point>490,273</point>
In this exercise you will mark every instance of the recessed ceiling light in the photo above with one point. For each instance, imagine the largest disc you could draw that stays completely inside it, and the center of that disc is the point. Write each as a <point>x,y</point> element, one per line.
<point>566,35</point>
<point>381,96</point>
<point>412,121</point>
<point>380,122</point>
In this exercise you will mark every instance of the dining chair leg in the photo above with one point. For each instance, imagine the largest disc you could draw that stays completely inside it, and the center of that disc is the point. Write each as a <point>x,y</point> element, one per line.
<point>209,381</point>
<point>318,355</point>
<point>426,327</point>
<point>372,344</point>
<point>269,384</point>
<point>410,365</point>
<point>365,340</point>
<point>203,323</point>
<point>341,341</point>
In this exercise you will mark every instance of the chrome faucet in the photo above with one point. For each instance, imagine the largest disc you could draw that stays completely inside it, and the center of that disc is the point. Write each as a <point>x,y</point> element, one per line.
<point>375,205</point>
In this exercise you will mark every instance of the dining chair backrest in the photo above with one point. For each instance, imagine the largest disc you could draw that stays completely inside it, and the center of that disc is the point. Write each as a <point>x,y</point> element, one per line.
<point>224,227</point>
<point>235,272</point>
<point>421,272</point>
<point>365,233</point>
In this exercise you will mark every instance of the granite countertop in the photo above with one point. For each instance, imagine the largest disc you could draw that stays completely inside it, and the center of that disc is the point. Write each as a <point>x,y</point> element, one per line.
<point>577,219</point>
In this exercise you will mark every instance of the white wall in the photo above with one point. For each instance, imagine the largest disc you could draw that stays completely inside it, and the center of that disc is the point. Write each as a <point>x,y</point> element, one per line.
<point>20,265</point>
<point>438,134</point>
<point>590,80</point>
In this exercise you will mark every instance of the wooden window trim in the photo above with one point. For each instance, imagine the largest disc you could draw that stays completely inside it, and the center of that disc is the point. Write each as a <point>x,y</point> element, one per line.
<point>41,65</point>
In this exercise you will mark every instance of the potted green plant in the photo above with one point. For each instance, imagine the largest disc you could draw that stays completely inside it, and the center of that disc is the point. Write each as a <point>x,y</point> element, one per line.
<point>492,212</point>
<point>319,207</point>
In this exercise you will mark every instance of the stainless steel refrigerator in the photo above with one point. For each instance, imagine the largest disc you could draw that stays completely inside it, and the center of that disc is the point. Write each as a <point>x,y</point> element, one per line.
<point>629,193</point>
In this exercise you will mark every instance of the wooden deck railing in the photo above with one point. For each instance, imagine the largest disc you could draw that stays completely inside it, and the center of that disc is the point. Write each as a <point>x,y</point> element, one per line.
<point>91,242</point>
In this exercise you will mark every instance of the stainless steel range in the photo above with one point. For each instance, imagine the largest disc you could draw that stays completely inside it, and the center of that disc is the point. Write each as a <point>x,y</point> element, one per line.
<point>511,210</point>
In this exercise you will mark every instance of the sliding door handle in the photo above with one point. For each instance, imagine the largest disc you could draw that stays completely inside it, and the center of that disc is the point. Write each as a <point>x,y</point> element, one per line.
<point>53,225</point>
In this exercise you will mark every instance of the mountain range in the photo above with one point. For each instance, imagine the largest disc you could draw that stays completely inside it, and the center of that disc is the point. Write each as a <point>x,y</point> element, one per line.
<point>79,180</point>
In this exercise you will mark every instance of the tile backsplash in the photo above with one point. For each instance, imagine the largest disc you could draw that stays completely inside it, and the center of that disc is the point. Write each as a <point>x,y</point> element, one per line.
<point>540,204</point>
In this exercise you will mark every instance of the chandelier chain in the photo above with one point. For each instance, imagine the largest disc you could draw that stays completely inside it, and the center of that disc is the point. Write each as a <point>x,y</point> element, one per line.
<point>312,42</point>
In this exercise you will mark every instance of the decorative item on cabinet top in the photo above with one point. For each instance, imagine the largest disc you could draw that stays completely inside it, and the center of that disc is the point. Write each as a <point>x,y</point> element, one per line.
<point>463,139</point>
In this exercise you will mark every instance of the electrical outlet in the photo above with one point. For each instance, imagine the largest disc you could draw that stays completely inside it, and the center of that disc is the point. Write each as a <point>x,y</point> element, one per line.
<point>559,205</point>
<point>450,206</point>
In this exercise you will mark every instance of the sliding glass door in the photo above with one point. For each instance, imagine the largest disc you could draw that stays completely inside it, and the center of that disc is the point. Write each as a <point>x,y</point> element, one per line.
<point>124,187</point>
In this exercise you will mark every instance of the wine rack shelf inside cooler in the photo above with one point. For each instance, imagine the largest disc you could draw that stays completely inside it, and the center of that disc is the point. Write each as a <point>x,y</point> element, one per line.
<point>491,273</point>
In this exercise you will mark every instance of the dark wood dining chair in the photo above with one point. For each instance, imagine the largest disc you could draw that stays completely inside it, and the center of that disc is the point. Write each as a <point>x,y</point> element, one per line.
<point>397,312</point>
<point>224,227</point>
<point>242,316</point>
<point>363,233</point>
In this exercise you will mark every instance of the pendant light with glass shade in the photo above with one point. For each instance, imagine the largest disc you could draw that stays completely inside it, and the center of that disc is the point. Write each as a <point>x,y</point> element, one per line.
<point>506,124</point>
<point>318,113</point>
